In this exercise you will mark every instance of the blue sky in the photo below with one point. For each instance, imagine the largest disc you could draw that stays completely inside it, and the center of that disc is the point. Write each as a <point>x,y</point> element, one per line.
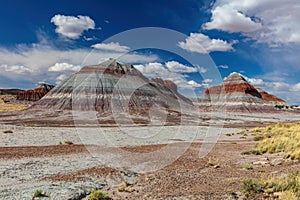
<point>47,41</point>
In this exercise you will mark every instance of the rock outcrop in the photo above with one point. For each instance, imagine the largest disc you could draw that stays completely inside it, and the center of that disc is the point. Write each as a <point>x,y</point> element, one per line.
<point>112,87</point>
<point>35,94</point>
<point>237,95</point>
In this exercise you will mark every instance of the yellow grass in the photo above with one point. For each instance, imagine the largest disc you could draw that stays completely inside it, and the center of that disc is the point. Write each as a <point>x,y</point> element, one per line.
<point>279,138</point>
<point>9,107</point>
<point>287,188</point>
<point>282,188</point>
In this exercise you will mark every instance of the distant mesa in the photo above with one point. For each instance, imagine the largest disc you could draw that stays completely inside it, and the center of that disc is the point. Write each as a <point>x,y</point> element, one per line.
<point>10,91</point>
<point>36,94</point>
<point>111,86</point>
<point>237,95</point>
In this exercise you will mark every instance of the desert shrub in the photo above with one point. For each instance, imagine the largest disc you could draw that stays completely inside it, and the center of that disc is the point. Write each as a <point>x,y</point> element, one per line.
<point>251,187</point>
<point>213,161</point>
<point>248,166</point>
<point>98,195</point>
<point>68,142</point>
<point>38,193</point>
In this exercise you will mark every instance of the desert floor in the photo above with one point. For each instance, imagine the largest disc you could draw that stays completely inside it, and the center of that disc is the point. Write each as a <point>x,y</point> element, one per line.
<point>69,163</point>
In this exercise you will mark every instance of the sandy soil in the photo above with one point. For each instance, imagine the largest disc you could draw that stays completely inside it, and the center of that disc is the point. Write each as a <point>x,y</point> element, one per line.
<point>58,169</point>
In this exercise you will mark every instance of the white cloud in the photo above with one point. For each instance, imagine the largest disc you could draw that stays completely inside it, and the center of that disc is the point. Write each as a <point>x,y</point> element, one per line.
<point>200,43</point>
<point>255,81</point>
<point>296,87</point>
<point>226,18</point>
<point>175,66</point>
<point>18,69</point>
<point>113,46</point>
<point>224,66</point>
<point>202,69</point>
<point>153,70</point>
<point>272,21</point>
<point>194,84</point>
<point>61,78</point>
<point>71,26</point>
<point>159,70</point>
<point>36,60</point>
<point>64,67</point>
<point>207,80</point>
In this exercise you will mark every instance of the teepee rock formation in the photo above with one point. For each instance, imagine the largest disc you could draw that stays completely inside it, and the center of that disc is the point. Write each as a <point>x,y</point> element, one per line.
<point>271,99</point>
<point>111,87</point>
<point>237,95</point>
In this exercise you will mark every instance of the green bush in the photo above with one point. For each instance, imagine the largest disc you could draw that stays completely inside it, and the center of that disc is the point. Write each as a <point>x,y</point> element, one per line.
<point>251,187</point>
<point>98,195</point>
<point>38,193</point>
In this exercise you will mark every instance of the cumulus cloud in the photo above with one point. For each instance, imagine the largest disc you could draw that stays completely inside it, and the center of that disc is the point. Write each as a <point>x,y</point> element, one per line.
<point>64,67</point>
<point>194,84</point>
<point>227,18</point>
<point>296,87</point>
<point>200,43</point>
<point>46,62</point>
<point>171,70</point>
<point>61,78</point>
<point>175,66</point>
<point>71,26</point>
<point>269,21</point>
<point>202,70</point>
<point>208,80</point>
<point>112,46</point>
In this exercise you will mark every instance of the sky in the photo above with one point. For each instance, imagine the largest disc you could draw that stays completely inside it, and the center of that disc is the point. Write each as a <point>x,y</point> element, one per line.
<point>195,43</point>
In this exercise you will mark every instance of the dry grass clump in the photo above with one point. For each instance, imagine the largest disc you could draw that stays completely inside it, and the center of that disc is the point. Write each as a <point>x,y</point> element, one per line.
<point>279,138</point>
<point>9,107</point>
<point>286,188</point>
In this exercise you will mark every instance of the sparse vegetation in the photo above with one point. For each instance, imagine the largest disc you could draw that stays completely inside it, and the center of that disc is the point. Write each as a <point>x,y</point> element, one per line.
<point>250,152</point>
<point>279,138</point>
<point>213,162</point>
<point>7,131</point>
<point>98,195</point>
<point>8,106</point>
<point>248,166</point>
<point>68,142</point>
<point>251,187</point>
<point>39,193</point>
<point>286,188</point>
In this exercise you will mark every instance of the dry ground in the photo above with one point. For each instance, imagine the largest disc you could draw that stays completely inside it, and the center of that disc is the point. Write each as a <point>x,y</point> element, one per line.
<point>217,176</point>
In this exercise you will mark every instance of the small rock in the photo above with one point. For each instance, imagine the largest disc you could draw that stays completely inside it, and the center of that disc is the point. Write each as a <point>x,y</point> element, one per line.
<point>261,162</point>
<point>277,162</point>
<point>217,166</point>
